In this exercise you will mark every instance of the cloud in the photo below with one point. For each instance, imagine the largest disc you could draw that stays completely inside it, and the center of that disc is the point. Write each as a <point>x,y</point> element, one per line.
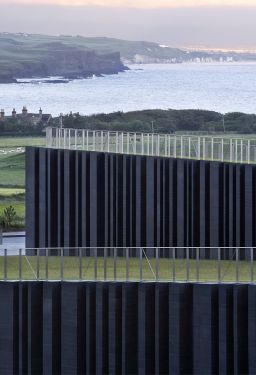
<point>136,3</point>
<point>210,27</point>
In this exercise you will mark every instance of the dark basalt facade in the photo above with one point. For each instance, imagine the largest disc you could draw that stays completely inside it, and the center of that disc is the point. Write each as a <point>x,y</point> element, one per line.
<point>127,328</point>
<point>79,198</point>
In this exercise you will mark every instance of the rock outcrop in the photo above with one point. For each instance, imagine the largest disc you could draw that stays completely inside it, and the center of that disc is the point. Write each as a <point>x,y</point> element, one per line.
<point>57,59</point>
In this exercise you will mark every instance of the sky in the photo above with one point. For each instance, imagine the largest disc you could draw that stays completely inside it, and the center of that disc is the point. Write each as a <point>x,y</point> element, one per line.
<point>180,23</point>
<point>136,3</point>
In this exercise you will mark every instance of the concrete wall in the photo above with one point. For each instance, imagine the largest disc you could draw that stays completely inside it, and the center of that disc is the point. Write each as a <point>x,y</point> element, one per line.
<point>127,328</point>
<point>78,198</point>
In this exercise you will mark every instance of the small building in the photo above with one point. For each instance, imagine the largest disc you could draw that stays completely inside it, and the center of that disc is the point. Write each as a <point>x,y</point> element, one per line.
<point>25,116</point>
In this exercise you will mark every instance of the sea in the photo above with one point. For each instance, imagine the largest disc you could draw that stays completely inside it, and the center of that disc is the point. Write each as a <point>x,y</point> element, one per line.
<point>222,87</point>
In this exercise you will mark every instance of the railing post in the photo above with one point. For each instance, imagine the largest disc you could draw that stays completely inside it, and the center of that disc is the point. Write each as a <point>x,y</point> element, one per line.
<point>230,150</point>
<point>252,270</point>
<point>80,264</point>
<point>117,143</point>
<point>237,265</point>
<point>5,264</point>
<point>20,265</point>
<point>61,264</point>
<point>108,142</point>
<point>93,140</point>
<point>127,264</point>
<point>141,264</point>
<point>212,150</point>
<point>204,148</point>
<point>95,264</point>
<point>46,264</point>
<point>187,264</point>
<point>37,264</point>
<point>248,151</point>
<point>60,138</point>
<point>64,138</point>
<point>75,139</point>
<point>128,142</point>
<point>189,147</point>
<point>197,264</point>
<point>83,138</point>
<point>219,265</point>
<point>142,144</point>
<point>199,145</point>
<point>96,141</point>
<point>157,265</point>
<point>57,137</point>
<point>181,146</point>
<point>165,145</point>
<point>115,250</point>
<point>47,143</point>
<point>102,141</point>
<point>173,264</point>
<point>236,150</point>
<point>222,149</point>
<point>51,135</point>
<point>105,264</point>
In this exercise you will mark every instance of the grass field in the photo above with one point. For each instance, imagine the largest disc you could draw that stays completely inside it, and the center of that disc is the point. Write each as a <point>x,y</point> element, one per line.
<point>12,159</point>
<point>12,142</point>
<point>12,174</point>
<point>8,192</point>
<point>12,171</point>
<point>208,270</point>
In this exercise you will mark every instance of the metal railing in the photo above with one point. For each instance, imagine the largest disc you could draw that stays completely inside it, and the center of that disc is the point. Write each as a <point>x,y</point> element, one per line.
<point>215,148</point>
<point>188,264</point>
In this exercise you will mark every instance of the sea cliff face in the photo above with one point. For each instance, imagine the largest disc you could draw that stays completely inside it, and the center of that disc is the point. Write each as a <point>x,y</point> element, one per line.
<point>67,62</point>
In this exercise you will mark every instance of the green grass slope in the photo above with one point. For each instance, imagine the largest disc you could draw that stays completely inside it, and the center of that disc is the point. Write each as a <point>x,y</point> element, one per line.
<point>12,175</point>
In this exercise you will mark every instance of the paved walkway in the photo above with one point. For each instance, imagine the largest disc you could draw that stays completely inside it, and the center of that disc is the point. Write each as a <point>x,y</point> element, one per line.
<point>13,241</point>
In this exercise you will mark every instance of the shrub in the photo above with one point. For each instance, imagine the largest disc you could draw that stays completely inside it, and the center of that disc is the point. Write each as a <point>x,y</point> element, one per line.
<point>8,217</point>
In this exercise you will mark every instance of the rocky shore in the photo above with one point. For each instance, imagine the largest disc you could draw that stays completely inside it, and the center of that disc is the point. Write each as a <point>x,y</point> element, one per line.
<point>66,62</point>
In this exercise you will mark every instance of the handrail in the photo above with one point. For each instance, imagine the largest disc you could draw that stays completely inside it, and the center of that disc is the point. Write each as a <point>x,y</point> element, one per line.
<point>190,264</point>
<point>213,148</point>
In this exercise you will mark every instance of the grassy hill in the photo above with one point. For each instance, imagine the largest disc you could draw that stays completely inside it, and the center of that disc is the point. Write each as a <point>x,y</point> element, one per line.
<point>30,54</point>
<point>31,46</point>
<point>24,56</point>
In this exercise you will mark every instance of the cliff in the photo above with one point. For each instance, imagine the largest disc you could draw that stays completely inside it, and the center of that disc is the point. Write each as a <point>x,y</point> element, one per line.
<point>57,59</point>
<point>29,55</point>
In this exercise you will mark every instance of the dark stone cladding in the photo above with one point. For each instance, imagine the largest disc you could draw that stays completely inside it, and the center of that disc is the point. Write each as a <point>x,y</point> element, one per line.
<point>127,328</point>
<point>79,198</point>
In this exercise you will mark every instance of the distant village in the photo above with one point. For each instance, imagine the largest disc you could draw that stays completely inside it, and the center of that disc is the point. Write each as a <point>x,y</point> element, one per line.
<point>143,59</point>
<point>26,117</point>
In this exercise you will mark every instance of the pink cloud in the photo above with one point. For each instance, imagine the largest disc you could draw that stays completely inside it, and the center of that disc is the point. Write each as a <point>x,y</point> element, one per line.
<point>136,3</point>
